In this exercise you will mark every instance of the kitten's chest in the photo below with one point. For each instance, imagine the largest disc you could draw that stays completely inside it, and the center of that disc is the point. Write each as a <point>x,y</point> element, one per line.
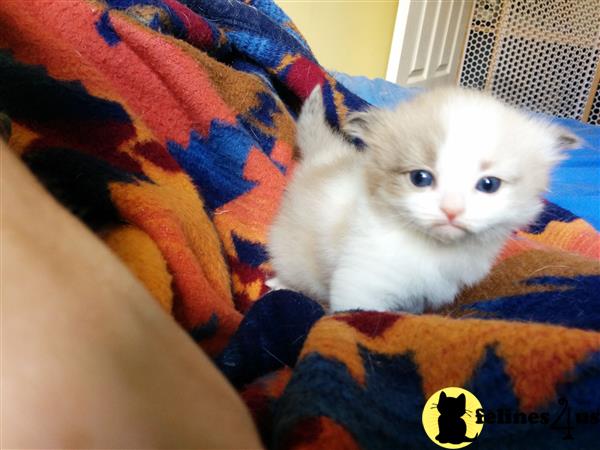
<point>390,251</point>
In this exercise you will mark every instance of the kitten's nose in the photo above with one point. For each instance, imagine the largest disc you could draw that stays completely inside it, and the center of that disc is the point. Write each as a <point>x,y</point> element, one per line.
<point>452,205</point>
<point>451,211</point>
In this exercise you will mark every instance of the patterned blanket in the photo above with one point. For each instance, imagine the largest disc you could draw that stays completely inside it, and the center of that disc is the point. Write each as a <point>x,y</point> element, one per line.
<point>168,127</point>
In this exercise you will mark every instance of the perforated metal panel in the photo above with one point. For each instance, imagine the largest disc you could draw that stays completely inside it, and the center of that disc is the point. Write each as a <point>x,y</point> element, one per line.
<point>543,55</point>
<point>595,110</point>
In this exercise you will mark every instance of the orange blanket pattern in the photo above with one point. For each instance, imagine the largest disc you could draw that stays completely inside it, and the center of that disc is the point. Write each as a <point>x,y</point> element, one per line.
<point>168,127</point>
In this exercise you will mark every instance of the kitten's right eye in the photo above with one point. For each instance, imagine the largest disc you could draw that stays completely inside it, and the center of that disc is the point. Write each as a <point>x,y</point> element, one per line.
<point>421,178</point>
<point>489,185</point>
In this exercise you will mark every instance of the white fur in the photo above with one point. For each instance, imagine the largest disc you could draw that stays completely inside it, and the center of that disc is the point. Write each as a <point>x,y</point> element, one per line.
<point>343,239</point>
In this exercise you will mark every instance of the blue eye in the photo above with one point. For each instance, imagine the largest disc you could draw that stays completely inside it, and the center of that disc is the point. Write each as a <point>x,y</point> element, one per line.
<point>489,185</point>
<point>421,178</point>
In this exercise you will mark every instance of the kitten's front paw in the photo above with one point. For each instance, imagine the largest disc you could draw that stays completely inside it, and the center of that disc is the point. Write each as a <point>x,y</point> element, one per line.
<point>275,284</point>
<point>409,305</point>
<point>376,302</point>
<point>443,298</point>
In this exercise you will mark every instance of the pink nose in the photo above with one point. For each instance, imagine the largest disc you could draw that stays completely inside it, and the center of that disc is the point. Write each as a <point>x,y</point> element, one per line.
<point>451,213</point>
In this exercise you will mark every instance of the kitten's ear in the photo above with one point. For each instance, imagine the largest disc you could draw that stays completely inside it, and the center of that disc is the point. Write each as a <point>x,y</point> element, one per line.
<point>463,400</point>
<point>359,124</point>
<point>442,396</point>
<point>566,140</point>
<point>313,104</point>
<point>561,141</point>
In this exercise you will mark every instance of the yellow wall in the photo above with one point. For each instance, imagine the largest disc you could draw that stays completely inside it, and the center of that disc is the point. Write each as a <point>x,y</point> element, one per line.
<point>352,36</point>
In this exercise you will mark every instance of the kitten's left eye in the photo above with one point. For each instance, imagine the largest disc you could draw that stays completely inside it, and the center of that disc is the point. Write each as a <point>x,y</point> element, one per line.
<point>489,185</point>
<point>421,178</point>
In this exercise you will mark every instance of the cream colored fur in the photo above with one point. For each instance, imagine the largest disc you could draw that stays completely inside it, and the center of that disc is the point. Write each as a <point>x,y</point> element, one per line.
<point>354,232</point>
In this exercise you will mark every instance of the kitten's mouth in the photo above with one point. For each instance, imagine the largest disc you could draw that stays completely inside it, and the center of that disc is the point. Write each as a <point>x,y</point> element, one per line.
<point>449,231</point>
<point>450,226</point>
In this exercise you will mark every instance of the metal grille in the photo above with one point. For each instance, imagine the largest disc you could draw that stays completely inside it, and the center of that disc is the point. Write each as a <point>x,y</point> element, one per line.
<point>595,110</point>
<point>543,55</point>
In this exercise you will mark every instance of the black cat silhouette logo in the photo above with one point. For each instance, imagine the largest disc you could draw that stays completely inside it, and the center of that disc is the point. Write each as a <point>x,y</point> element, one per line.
<point>449,419</point>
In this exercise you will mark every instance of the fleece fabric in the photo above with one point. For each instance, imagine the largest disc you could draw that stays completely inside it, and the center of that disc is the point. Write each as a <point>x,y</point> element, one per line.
<point>168,127</point>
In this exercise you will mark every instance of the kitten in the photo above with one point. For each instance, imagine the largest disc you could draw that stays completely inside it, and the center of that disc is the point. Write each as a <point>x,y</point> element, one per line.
<point>421,211</point>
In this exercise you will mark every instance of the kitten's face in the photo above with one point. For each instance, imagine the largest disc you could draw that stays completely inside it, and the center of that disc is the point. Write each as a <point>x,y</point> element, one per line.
<point>455,164</point>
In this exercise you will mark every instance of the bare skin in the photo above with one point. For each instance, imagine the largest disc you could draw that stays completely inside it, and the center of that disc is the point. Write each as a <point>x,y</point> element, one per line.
<point>89,360</point>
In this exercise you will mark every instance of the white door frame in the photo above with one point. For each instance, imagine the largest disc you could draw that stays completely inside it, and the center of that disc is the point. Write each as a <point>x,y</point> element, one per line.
<point>428,42</point>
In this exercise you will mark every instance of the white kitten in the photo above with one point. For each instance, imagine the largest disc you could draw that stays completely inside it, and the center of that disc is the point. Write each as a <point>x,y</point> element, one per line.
<point>421,211</point>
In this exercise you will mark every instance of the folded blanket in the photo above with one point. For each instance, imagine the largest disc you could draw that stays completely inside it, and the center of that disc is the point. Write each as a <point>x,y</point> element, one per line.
<point>168,127</point>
